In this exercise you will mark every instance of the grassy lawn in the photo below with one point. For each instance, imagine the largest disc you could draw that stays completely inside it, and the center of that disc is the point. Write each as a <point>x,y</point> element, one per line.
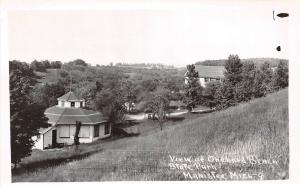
<point>52,157</point>
<point>255,131</point>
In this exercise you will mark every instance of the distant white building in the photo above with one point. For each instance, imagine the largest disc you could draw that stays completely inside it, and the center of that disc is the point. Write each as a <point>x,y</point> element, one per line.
<point>63,118</point>
<point>208,74</point>
<point>129,107</point>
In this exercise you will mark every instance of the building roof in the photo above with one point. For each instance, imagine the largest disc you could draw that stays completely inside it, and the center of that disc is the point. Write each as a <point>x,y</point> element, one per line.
<point>70,96</point>
<point>210,71</point>
<point>63,115</point>
<point>44,130</point>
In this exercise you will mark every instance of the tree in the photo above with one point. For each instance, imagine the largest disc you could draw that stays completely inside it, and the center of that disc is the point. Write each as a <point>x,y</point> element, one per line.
<point>26,117</point>
<point>38,66</point>
<point>227,93</point>
<point>20,82</point>
<point>56,64</point>
<point>159,105</point>
<point>76,135</point>
<point>173,83</point>
<point>88,92</point>
<point>150,85</point>
<point>99,86</point>
<point>234,69</point>
<point>78,62</point>
<point>46,64</point>
<point>263,80</point>
<point>46,95</point>
<point>245,89</point>
<point>281,77</point>
<point>210,94</point>
<point>112,104</point>
<point>193,89</point>
<point>130,93</point>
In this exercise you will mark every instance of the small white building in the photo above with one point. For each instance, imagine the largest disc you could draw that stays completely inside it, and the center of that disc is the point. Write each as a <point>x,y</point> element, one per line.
<point>45,138</point>
<point>63,118</point>
<point>208,74</point>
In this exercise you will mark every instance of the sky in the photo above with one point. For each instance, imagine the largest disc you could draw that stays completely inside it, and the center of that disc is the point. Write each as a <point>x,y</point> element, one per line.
<point>176,36</point>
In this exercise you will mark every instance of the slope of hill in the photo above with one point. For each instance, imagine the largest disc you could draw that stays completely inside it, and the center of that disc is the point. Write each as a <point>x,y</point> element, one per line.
<point>50,76</point>
<point>249,141</point>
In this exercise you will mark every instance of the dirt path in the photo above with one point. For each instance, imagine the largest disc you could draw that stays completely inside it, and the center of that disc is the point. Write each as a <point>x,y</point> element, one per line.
<point>142,116</point>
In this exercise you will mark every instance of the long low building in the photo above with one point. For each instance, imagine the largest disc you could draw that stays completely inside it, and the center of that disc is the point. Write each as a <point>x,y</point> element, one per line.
<point>63,118</point>
<point>208,74</point>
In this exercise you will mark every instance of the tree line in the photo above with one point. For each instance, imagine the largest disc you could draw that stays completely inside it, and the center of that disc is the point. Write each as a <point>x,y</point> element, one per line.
<point>43,65</point>
<point>273,62</point>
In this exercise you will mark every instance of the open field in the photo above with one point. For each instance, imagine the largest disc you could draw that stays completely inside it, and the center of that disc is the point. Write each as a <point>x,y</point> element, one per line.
<point>51,76</point>
<point>249,141</point>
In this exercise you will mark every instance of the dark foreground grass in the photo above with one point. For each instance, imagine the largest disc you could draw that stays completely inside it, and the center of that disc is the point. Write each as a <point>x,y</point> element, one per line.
<point>247,142</point>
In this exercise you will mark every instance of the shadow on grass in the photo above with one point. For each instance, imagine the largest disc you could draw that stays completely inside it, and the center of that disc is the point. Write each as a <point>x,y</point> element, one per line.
<point>176,118</point>
<point>119,132</point>
<point>202,111</point>
<point>127,123</point>
<point>33,166</point>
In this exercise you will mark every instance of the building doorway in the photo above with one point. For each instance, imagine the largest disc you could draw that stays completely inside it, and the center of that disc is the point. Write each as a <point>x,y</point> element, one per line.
<point>54,138</point>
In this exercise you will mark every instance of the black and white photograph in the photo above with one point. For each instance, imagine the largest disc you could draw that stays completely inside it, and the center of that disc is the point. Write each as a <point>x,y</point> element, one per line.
<point>165,91</point>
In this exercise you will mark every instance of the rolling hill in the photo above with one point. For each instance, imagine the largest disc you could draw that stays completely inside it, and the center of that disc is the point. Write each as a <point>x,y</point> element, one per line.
<point>249,141</point>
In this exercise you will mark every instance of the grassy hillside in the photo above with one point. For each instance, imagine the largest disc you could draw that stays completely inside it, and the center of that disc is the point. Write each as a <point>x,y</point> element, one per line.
<point>249,142</point>
<point>50,76</point>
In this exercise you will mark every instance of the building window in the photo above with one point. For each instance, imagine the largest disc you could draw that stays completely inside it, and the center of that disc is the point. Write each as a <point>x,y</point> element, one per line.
<point>84,132</point>
<point>62,103</point>
<point>81,104</point>
<point>64,131</point>
<point>96,131</point>
<point>72,104</point>
<point>106,128</point>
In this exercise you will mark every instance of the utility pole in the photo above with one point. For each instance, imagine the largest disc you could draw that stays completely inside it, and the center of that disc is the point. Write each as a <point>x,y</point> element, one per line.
<point>71,82</point>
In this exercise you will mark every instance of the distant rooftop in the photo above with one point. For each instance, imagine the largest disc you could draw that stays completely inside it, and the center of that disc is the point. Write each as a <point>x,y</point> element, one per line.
<point>70,96</point>
<point>210,71</point>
